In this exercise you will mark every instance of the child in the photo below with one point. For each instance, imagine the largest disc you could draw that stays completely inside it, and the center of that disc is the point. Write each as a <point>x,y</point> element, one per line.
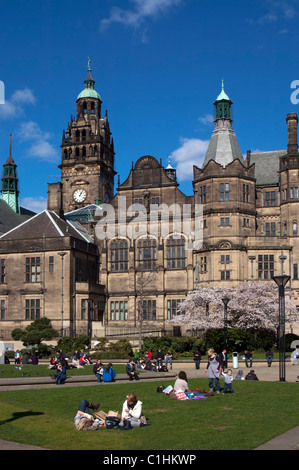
<point>228,378</point>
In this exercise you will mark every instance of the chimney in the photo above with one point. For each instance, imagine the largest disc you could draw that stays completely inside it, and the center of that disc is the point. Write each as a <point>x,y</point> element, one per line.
<point>292,121</point>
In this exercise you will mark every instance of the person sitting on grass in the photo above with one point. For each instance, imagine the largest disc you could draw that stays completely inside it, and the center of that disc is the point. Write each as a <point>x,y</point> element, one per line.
<point>132,412</point>
<point>181,382</point>
<point>251,375</point>
<point>84,420</point>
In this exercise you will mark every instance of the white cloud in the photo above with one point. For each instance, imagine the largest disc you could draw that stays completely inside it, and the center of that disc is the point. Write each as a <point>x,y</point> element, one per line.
<point>35,204</point>
<point>14,107</point>
<point>24,96</point>
<point>191,152</point>
<point>142,9</point>
<point>40,147</point>
<point>207,119</point>
<point>278,10</point>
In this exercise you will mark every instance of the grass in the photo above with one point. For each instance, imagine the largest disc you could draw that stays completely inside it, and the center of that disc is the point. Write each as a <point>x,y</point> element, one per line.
<point>12,370</point>
<point>258,412</point>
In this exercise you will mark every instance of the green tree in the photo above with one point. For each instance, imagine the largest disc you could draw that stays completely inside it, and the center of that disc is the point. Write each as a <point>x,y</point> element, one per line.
<point>38,331</point>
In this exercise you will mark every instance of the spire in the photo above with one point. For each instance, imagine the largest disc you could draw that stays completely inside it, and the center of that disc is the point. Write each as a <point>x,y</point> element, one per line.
<point>223,147</point>
<point>10,161</point>
<point>10,182</point>
<point>170,171</point>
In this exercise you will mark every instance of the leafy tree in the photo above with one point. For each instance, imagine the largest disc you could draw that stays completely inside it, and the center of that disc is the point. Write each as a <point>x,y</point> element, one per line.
<point>252,305</point>
<point>69,344</point>
<point>38,331</point>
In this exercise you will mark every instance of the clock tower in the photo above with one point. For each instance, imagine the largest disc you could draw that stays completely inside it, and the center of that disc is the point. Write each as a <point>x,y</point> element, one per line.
<point>87,153</point>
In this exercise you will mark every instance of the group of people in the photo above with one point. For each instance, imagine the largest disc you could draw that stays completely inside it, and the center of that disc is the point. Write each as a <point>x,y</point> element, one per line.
<point>148,362</point>
<point>217,364</point>
<point>26,358</point>
<point>102,373</point>
<point>132,414</point>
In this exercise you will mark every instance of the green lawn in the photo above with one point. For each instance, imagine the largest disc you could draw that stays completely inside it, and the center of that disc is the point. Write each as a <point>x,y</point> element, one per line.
<point>12,370</point>
<point>258,412</point>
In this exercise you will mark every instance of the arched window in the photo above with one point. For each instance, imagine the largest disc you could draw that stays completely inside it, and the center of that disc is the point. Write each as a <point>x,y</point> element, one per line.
<point>175,253</point>
<point>77,136</point>
<point>147,253</point>
<point>84,135</point>
<point>84,152</point>
<point>77,152</point>
<point>119,255</point>
<point>295,227</point>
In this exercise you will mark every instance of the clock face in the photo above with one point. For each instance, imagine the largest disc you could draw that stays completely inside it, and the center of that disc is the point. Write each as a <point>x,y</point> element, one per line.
<point>80,195</point>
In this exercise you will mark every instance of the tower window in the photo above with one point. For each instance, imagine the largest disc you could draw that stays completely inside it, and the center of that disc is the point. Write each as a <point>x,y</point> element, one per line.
<point>202,195</point>
<point>270,199</point>
<point>270,229</point>
<point>224,191</point>
<point>224,221</point>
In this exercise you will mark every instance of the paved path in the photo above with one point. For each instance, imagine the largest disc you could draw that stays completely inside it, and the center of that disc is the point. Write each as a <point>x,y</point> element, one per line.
<point>287,441</point>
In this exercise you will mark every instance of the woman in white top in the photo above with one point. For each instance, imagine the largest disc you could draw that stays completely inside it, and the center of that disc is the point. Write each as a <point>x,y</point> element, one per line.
<point>181,382</point>
<point>132,411</point>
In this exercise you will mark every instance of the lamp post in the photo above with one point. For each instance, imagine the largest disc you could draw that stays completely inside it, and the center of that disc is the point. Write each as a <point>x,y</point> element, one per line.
<point>281,281</point>
<point>252,258</point>
<point>62,254</point>
<point>225,301</point>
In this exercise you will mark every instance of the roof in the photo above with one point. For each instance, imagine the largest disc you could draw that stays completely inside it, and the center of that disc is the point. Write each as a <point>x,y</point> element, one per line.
<point>267,166</point>
<point>47,224</point>
<point>88,93</point>
<point>9,218</point>
<point>223,147</point>
<point>222,95</point>
<point>83,214</point>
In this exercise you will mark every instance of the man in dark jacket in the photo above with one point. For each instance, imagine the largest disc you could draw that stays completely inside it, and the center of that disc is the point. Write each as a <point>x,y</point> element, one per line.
<point>130,369</point>
<point>160,357</point>
<point>248,358</point>
<point>223,359</point>
<point>251,376</point>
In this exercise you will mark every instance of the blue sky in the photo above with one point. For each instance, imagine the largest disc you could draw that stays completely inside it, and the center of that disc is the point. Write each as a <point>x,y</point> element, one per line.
<point>158,66</point>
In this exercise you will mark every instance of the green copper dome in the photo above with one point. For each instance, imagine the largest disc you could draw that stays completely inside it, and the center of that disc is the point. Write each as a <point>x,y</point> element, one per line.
<point>89,91</point>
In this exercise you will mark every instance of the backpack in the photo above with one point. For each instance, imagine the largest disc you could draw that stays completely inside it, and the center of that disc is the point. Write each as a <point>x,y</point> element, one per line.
<point>112,422</point>
<point>160,389</point>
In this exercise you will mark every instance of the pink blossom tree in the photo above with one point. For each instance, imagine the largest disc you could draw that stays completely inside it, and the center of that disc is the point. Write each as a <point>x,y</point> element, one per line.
<point>252,305</point>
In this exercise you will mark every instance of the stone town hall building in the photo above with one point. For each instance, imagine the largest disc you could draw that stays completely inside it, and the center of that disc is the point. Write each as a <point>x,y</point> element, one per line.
<point>57,264</point>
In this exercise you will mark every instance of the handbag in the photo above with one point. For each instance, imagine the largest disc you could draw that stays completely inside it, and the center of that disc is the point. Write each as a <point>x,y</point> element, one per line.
<point>112,422</point>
